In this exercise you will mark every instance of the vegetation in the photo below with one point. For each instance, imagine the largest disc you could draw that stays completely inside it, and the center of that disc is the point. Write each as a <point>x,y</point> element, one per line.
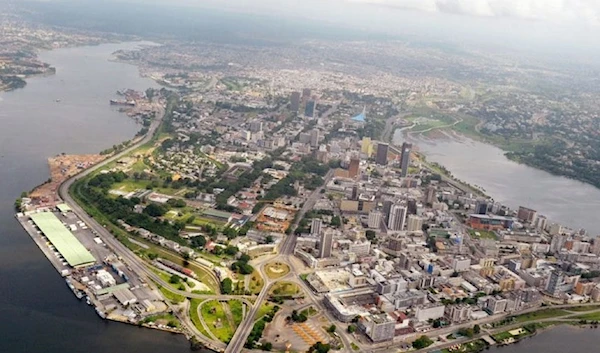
<point>422,342</point>
<point>319,347</point>
<point>258,328</point>
<point>216,320</point>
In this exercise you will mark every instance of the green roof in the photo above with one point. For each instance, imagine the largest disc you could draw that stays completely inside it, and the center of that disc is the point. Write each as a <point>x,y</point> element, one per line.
<point>62,239</point>
<point>112,289</point>
<point>63,207</point>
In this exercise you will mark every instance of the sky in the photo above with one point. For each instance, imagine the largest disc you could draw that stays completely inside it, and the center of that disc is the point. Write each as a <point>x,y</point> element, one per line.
<point>561,28</point>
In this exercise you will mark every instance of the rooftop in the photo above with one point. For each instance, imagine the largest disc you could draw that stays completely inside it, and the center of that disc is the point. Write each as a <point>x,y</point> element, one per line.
<point>62,239</point>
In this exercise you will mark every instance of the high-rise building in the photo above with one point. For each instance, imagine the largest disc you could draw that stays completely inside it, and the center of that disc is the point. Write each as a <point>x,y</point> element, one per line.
<point>256,126</point>
<point>527,215</point>
<point>397,217</point>
<point>355,192</point>
<point>325,244</point>
<point>430,197</point>
<point>316,226</point>
<point>295,102</point>
<point>306,94</point>
<point>378,327</point>
<point>481,207</point>
<point>353,167</point>
<point>366,147</point>
<point>382,153</point>
<point>375,218</point>
<point>309,111</point>
<point>411,205</point>
<point>405,158</point>
<point>414,224</point>
<point>387,207</point>
<point>314,137</point>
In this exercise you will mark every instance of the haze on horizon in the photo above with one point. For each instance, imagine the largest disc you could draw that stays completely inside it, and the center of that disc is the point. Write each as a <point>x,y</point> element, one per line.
<point>564,29</point>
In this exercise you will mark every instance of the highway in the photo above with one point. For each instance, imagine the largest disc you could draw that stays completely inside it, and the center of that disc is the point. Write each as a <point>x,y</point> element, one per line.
<point>121,250</point>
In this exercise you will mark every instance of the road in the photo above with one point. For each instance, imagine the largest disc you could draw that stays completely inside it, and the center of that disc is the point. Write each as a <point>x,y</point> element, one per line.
<point>121,250</point>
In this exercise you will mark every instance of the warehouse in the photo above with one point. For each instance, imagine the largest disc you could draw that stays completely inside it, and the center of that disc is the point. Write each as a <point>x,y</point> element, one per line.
<point>63,240</point>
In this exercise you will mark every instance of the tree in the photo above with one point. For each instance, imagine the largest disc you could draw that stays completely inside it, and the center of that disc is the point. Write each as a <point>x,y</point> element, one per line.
<point>476,329</point>
<point>319,347</point>
<point>232,250</point>
<point>227,286</point>
<point>351,328</point>
<point>422,342</point>
<point>331,329</point>
<point>198,241</point>
<point>155,210</point>
<point>267,346</point>
<point>174,279</point>
<point>336,221</point>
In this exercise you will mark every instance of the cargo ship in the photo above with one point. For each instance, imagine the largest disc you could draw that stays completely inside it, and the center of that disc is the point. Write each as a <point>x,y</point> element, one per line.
<point>122,102</point>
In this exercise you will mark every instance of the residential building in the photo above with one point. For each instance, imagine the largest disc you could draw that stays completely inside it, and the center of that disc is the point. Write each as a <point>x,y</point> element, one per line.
<point>375,218</point>
<point>397,217</point>
<point>378,327</point>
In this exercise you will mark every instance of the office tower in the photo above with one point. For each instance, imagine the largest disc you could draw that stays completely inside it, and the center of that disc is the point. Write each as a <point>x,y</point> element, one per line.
<point>366,147</point>
<point>375,218</point>
<point>314,138</point>
<point>378,327</point>
<point>405,158</point>
<point>527,215</point>
<point>316,226</point>
<point>387,207</point>
<point>382,153</point>
<point>411,205</point>
<point>309,111</point>
<point>481,207</point>
<point>353,168</point>
<point>430,198</point>
<point>305,94</point>
<point>325,244</point>
<point>256,126</point>
<point>355,192</point>
<point>295,102</point>
<point>397,217</point>
<point>414,224</point>
<point>541,223</point>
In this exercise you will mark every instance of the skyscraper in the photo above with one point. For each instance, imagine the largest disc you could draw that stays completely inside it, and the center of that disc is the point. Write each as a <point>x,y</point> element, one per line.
<point>375,218</point>
<point>397,217</point>
<point>404,158</point>
<point>309,111</point>
<point>306,94</point>
<point>415,223</point>
<point>430,195</point>
<point>382,153</point>
<point>314,138</point>
<point>481,207</point>
<point>325,244</point>
<point>355,192</point>
<point>316,226</point>
<point>295,102</point>
<point>353,168</point>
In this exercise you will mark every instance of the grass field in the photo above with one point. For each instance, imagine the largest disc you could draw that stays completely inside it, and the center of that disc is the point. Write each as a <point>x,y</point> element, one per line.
<point>265,307</point>
<point>256,283</point>
<point>165,319</point>
<point>482,234</point>
<point>584,308</point>
<point>276,270</point>
<point>539,315</point>
<point>194,303</point>
<point>237,311</point>
<point>284,289</point>
<point>172,297</point>
<point>589,317</point>
<point>216,320</point>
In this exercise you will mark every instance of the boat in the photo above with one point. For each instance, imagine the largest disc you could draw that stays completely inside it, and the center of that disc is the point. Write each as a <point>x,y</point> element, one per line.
<point>58,101</point>
<point>88,301</point>
<point>77,292</point>
<point>122,102</point>
<point>100,313</point>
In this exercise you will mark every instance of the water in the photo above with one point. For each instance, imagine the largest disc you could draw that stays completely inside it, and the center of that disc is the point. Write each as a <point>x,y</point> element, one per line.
<point>566,201</point>
<point>39,313</point>
<point>558,340</point>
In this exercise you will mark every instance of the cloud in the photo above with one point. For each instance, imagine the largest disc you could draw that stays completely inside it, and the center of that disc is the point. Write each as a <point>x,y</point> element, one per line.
<point>557,11</point>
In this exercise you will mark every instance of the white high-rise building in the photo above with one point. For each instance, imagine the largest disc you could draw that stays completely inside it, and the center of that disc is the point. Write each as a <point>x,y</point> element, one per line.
<point>316,226</point>
<point>325,244</point>
<point>415,223</point>
<point>397,217</point>
<point>375,218</point>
